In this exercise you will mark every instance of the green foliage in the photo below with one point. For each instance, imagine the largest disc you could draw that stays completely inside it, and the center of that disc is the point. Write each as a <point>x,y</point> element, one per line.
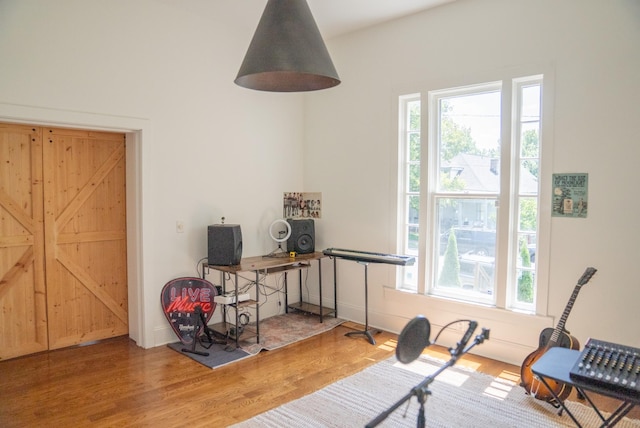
<point>525,281</point>
<point>414,151</point>
<point>414,115</point>
<point>455,139</point>
<point>528,214</point>
<point>530,148</point>
<point>450,275</point>
<point>455,184</point>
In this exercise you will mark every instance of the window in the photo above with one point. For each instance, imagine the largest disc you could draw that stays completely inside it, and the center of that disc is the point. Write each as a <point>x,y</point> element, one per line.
<point>410,182</point>
<point>470,192</point>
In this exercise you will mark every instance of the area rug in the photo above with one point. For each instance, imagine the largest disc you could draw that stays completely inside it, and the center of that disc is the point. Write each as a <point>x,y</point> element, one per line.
<point>282,330</point>
<point>459,397</point>
<point>275,332</point>
<point>219,355</point>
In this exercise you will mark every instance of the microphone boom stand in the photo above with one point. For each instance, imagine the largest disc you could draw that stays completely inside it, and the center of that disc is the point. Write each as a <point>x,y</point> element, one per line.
<point>421,391</point>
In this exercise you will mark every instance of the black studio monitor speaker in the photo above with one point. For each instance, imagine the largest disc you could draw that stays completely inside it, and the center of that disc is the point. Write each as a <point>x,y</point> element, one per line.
<point>224,244</point>
<point>302,239</point>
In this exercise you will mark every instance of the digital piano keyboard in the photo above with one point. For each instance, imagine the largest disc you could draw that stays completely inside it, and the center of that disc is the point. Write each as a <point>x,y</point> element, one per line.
<point>369,257</point>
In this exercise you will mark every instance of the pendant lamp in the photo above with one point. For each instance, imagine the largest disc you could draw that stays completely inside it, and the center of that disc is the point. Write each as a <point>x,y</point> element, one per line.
<point>287,53</point>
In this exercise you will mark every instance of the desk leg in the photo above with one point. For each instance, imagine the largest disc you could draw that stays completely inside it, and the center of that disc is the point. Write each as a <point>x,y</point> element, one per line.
<point>257,308</point>
<point>223,280</point>
<point>320,286</point>
<point>237,323</point>
<point>544,382</point>
<point>591,403</point>
<point>366,332</point>
<point>615,417</point>
<point>620,413</point>
<point>335,288</point>
<point>301,300</point>
<point>286,294</point>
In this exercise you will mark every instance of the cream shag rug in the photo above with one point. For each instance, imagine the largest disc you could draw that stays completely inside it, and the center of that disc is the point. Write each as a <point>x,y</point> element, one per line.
<point>459,398</point>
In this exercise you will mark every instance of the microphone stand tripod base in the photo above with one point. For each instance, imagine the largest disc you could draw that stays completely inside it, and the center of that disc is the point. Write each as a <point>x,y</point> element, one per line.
<point>367,333</point>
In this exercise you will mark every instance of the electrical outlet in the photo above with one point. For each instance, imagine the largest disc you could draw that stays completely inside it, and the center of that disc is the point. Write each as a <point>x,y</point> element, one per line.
<point>179,226</point>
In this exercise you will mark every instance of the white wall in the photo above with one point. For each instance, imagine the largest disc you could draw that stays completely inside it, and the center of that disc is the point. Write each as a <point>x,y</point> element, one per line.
<point>164,70</point>
<point>205,148</point>
<point>592,49</point>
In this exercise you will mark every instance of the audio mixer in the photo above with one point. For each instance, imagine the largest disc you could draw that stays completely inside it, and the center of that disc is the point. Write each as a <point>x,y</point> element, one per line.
<point>609,365</point>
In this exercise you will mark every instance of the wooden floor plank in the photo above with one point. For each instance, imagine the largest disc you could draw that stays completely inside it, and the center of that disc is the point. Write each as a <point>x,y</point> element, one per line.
<point>116,383</point>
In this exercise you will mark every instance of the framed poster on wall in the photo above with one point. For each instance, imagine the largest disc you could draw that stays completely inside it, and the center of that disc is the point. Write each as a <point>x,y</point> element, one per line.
<point>302,205</point>
<point>570,195</point>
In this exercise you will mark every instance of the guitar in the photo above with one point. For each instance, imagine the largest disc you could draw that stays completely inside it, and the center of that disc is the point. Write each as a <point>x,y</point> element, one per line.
<point>550,337</point>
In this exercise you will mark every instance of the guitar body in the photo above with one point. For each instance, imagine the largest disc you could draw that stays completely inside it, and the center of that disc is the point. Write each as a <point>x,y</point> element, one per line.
<point>565,340</point>
<point>533,385</point>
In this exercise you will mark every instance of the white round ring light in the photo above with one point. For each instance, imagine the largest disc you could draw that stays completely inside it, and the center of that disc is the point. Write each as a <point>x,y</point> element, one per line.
<point>287,225</point>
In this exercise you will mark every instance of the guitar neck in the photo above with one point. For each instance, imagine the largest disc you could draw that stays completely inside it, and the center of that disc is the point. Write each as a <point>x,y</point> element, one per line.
<point>586,276</point>
<point>563,319</point>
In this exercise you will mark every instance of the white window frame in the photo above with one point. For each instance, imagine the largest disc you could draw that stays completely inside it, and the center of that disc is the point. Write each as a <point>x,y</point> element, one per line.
<point>405,194</point>
<point>433,170</point>
<point>505,259</point>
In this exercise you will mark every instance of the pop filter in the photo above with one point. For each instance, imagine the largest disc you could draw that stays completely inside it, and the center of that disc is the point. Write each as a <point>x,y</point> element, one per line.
<point>413,339</point>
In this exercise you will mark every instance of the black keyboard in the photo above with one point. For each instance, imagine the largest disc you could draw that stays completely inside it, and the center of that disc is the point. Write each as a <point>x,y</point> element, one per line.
<point>369,257</point>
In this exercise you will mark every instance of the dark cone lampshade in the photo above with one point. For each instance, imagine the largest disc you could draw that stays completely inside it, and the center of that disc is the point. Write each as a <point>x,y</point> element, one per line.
<point>287,53</point>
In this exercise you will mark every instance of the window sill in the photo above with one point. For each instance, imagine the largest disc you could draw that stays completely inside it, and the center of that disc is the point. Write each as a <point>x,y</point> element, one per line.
<point>513,333</point>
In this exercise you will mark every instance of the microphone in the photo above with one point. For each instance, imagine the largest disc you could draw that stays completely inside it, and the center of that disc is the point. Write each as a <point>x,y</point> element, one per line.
<point>465,339</point>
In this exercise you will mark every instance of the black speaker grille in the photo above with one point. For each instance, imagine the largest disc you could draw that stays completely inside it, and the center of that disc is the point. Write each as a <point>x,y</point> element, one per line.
<point>302,239</point>
<point>224,244</point>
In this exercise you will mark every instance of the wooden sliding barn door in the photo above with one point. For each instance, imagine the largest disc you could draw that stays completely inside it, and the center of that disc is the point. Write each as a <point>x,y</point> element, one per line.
<point>23,311</point>
<point>85,235</point>
<point>63,259</point>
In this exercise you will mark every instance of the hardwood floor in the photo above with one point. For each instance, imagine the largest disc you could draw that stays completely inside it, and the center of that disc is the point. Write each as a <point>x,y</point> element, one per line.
<point>116,383</point>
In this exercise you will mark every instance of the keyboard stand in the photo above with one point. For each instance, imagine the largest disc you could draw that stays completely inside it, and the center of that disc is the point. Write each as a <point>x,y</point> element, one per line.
<point>364,258</point>
<point>366,332</point>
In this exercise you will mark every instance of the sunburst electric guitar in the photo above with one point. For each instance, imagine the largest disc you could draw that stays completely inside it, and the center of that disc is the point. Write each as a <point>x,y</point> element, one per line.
<point>550,337</point>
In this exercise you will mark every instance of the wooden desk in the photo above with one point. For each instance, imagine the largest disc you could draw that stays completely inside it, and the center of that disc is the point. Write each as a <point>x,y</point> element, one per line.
<point>556,364</point>
<point>274,264</point>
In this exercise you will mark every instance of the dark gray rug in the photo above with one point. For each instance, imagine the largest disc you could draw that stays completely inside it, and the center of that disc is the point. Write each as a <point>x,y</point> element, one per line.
<point>219,355</point>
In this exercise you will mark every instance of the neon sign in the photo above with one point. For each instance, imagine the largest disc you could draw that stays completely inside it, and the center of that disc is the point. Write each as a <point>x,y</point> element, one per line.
<point>180,300</point>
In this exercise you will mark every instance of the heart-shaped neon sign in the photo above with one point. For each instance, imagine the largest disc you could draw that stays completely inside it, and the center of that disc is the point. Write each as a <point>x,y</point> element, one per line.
<point>180,299</point>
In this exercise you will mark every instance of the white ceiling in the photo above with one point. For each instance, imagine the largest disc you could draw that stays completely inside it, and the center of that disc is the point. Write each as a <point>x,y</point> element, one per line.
<point>335,17</point>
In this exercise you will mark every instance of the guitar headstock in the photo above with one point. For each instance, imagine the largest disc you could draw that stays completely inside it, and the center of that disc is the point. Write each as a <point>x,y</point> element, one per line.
<point>586,276</point>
